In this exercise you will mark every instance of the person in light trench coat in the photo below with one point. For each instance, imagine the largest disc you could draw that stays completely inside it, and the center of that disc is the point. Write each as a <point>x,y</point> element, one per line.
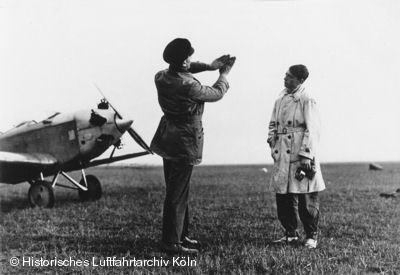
<point>293,137</point>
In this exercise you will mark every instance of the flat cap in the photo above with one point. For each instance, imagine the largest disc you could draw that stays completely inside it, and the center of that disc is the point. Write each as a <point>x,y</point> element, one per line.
<point>177,51</point>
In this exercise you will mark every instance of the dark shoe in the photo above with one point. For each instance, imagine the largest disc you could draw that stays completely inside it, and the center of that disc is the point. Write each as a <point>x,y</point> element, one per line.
<point>177,248</point>
<point>191,243</point>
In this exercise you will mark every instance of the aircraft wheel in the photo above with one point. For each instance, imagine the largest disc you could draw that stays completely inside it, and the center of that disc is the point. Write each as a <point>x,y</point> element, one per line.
<point>94,189</point>
<point>41,194</point>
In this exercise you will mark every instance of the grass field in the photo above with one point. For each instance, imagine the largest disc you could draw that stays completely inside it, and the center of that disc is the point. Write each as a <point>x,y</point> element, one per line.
<point>233,214</point>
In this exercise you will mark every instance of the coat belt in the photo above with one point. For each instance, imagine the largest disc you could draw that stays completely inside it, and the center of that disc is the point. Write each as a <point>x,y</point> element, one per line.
<point>289,130</point>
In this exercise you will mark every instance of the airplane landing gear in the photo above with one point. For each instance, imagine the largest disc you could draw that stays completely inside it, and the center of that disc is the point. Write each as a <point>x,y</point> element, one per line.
<point>94,191</point>
<point>41,194</point>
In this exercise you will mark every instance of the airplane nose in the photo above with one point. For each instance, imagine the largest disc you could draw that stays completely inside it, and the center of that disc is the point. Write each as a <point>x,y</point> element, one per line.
<point>123,124</point>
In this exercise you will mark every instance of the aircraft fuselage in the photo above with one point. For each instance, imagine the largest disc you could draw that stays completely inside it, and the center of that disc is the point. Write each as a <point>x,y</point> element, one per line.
<point>71,139</point>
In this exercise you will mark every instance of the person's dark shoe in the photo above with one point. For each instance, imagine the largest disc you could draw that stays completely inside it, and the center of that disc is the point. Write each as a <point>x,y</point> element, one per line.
<point>177,248</point>
<point>191,243</point>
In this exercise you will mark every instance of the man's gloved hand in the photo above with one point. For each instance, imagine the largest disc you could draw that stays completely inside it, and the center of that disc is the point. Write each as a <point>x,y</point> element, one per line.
<point>219,62</point>
<point>228,66</point>
<point>305,163</point>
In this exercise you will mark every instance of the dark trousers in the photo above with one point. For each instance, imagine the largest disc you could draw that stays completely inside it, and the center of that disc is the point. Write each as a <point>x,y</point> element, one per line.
<point>306,206</point>
<point>176,209</point>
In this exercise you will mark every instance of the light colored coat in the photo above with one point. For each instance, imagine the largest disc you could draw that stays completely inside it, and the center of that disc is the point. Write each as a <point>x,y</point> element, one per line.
<point>293,133</point>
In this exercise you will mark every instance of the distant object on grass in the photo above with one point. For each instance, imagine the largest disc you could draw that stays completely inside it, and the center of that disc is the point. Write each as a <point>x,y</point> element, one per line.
<point>375,167</point>
<point>265,170</point>
<point>391,195</point>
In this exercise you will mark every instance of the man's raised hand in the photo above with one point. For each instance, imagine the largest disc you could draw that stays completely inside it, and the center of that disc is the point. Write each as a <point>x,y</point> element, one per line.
<point>219,62</point>
<point>227,66</point>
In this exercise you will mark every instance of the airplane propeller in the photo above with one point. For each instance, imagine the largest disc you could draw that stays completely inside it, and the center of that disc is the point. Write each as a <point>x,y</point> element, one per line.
<point>130,130</point>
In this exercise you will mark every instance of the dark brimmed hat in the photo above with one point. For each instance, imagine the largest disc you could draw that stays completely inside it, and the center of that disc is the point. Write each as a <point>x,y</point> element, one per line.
<point>177,51</point>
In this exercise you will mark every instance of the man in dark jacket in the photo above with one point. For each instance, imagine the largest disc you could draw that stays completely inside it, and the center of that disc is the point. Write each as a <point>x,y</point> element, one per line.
<point>179,136</point>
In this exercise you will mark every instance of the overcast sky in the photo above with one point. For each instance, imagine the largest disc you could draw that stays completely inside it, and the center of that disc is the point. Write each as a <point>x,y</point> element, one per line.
<point>53,51</point>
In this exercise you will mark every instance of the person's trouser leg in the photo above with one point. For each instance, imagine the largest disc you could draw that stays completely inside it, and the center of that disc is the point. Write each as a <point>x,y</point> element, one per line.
<point>287,212</point>
<point>185,229</point>
<point>177,179</point>
<point>309,213</point>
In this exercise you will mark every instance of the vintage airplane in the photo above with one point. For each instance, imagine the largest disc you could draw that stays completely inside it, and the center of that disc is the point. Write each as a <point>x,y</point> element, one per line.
<point>62,143</point>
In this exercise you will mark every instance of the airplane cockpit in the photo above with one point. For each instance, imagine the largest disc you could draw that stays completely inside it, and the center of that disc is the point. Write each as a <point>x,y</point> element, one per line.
<point>53,115</point>
<point>50,118</point>
<point>26,123</point>
<point>21,125</point>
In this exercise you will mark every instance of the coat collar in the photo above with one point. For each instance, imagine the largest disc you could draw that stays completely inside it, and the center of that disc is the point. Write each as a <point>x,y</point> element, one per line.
<point>177,69</point>
<point>296,94</point>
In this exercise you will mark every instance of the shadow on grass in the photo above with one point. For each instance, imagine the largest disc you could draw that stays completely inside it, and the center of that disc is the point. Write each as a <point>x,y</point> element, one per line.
<point>10,204</point>
<point>142,247</point>
<point>19,203</point>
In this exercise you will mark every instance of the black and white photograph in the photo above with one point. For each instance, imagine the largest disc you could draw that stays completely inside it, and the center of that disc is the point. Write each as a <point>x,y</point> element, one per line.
<point>199,137</point>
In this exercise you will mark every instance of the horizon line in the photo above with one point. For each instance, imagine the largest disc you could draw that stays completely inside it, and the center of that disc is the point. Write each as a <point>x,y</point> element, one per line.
<point>250,164</point>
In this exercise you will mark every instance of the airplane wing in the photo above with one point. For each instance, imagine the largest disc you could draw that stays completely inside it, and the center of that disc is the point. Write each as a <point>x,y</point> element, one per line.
<point>18,167</point>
